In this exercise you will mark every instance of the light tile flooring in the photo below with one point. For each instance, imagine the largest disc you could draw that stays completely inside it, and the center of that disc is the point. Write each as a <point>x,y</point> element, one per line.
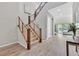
<point>55,46</point>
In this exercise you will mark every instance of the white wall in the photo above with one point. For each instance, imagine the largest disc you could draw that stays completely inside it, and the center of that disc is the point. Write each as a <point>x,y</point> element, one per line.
<point>21,39</point>
<point>23,16</point>
<point>8,22</point>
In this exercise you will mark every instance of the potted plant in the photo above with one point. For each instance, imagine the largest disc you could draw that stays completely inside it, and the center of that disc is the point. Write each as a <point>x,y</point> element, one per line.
<point>72,27</point>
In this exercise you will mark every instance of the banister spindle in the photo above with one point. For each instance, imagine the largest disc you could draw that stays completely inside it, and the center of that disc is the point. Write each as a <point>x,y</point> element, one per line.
<point>35,15</point>
<point>22,27</point>
<point>29,19</point>
<point>18,21</point>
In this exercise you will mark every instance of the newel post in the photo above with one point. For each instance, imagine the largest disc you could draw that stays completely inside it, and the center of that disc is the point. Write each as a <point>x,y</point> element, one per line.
<point>28,39</point>
<point>40,40</point>
<point>28,35</point>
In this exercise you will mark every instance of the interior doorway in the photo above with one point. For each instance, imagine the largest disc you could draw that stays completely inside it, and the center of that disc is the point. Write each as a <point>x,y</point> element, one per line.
<point>50,26</point>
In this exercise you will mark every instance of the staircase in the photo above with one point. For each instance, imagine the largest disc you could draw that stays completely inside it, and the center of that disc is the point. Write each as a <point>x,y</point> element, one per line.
<point>31,32</point>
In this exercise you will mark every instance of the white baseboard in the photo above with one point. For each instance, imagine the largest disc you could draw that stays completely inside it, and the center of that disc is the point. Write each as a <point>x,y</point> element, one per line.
<point>8,44</point>
<point>11,44</point>
<point>21,44</point>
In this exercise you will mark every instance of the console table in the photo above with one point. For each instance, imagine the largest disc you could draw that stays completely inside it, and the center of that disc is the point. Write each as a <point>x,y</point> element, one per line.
<point>73,42</point>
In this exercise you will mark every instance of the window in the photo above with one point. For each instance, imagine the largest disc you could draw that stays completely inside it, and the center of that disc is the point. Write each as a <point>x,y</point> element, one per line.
<point>62,28</point>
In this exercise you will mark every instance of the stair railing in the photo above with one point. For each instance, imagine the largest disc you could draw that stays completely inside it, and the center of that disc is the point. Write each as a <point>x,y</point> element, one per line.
<point>32,18</point>
<point>31,26</point>
<point>26,31</point>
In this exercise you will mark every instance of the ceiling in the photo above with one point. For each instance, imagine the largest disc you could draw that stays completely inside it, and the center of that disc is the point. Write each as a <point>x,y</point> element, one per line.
<point>62,13</point>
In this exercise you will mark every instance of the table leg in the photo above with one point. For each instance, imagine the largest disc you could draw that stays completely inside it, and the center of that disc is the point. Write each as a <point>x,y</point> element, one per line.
<point>76,49</point>
<point>67,48</point>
